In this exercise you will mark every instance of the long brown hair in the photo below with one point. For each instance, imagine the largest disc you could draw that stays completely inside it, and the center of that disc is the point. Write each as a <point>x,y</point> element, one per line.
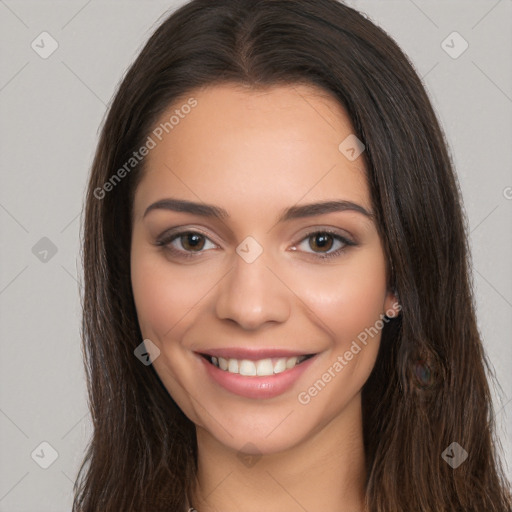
<point>429,387</point>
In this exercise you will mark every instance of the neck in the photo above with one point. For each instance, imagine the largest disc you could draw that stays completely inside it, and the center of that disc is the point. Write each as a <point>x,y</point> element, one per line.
<point>326,471</point>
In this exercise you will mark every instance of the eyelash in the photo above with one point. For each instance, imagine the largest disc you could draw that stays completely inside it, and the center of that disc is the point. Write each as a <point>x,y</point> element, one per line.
<point>165,241</point>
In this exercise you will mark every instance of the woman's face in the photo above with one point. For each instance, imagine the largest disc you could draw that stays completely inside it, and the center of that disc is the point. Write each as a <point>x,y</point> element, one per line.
<point>261,283</point>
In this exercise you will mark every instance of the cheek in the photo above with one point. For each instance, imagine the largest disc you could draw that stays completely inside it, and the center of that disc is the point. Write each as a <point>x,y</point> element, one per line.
<point>167,300</point>
<point>347,299</point>
<point>165,295</point>
<point>349,305</point>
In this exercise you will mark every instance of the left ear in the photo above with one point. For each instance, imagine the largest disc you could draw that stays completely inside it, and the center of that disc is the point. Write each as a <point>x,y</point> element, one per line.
<point>392,306</point>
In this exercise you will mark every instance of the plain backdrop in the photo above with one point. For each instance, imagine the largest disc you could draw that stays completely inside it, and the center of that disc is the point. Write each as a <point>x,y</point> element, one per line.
<point>51,110</point>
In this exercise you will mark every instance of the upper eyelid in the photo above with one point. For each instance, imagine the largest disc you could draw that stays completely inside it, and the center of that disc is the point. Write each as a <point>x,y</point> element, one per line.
<point>171,235</point>
<point>332,231</point>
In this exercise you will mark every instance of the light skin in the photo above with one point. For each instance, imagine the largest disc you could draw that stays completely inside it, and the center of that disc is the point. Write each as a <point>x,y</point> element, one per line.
<point>255,153</point>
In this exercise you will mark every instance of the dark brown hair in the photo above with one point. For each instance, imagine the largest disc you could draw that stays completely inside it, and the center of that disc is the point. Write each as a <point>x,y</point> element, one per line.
<point>429,386</point>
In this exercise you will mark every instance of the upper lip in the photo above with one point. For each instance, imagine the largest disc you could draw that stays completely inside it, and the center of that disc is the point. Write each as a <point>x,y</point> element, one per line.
<point>252,354</point>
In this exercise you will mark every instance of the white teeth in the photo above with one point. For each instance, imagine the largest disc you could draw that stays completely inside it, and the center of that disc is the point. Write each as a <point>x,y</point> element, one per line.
<point>233,366</point>
<point>263,367</point>
<point>247,367</point>
<point>280,365</point>
<point>291,362</point>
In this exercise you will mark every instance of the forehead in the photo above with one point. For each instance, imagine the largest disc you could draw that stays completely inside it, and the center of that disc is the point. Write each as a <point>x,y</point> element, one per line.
<point>251,148</point>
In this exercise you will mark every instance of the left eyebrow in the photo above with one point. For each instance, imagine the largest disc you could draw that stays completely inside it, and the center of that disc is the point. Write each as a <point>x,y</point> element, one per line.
<point>312,209</point>
<point>293,212</point>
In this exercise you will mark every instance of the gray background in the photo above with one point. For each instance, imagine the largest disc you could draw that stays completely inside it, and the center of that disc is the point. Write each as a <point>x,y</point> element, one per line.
<point>51,110</point>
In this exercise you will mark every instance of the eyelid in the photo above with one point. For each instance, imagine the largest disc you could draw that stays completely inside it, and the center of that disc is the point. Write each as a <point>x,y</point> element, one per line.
<point>342,233</point>
<point>181,230</point>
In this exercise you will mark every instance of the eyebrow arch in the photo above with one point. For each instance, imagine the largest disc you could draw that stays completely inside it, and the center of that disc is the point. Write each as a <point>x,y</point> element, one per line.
<point>294,212</point>
<point>312,209</point>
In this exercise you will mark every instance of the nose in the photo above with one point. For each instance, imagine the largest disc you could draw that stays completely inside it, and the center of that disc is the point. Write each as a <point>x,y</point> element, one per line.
<point>251,295</point>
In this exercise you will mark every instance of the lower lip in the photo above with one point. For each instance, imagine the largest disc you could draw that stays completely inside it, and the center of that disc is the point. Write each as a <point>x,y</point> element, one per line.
<point>256,387</point>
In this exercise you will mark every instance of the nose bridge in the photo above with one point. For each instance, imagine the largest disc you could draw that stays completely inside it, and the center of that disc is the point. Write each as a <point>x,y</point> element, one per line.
<point>251,295</point>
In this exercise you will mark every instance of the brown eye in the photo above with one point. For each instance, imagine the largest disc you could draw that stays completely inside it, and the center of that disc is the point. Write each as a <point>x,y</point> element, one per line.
<point>192,241</point>
<point>325,244</point>
<point>321,241</point>
<point>185,244</point>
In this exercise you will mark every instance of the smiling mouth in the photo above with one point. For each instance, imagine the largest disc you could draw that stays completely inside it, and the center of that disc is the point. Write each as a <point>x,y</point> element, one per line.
<point>259,368</point>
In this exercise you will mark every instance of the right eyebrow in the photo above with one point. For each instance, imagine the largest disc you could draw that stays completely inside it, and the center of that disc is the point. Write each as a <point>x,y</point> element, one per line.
<point>180,205</point>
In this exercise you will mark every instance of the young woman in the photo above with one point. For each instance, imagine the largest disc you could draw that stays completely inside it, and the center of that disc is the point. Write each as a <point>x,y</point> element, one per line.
<point>277,304</point>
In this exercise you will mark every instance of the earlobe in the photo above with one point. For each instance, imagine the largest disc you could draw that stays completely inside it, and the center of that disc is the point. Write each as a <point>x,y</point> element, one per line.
<point>392,305</point>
